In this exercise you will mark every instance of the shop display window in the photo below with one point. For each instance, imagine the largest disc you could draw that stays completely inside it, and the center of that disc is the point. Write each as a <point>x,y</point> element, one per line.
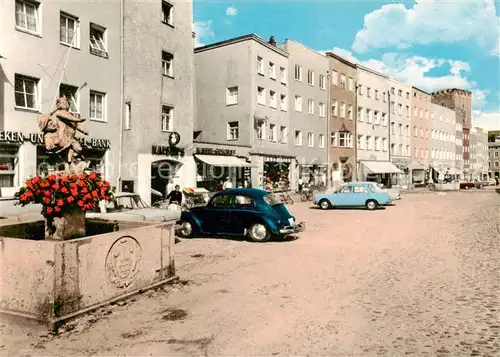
<point>8,164</point>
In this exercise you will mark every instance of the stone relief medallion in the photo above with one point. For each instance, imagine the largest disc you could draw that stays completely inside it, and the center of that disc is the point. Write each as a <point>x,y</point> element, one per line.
<point>123,262</point>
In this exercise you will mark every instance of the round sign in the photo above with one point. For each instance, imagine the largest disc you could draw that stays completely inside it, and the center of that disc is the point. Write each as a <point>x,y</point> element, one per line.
<point>174,139</point>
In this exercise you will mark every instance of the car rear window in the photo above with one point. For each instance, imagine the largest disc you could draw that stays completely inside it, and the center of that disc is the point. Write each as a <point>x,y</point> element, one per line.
<point>272,199</point>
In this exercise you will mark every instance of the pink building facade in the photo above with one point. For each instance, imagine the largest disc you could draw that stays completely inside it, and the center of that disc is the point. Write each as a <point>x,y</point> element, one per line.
<point>420,134</point>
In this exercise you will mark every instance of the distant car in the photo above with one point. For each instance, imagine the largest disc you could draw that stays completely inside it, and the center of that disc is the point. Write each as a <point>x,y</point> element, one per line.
<point>354,194</point>
<point>250,212</point>
<point>465,185</point>
<point>131,207</point>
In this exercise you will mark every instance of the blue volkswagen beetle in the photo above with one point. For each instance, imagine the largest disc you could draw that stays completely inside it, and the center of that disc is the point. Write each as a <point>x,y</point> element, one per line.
<point>250,212</point>
<point>354,194</point>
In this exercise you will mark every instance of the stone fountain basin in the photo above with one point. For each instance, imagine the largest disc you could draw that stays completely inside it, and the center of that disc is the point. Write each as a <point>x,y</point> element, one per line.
<point>52,281</point>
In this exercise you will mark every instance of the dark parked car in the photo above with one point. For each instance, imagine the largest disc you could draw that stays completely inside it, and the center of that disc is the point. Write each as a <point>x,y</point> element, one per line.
<point>250,212</point>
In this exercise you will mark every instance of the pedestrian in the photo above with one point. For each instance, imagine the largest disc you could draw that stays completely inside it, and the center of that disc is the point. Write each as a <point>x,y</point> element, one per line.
<point>228,184</point>
<point>301,184</point>
<point>175,199</point>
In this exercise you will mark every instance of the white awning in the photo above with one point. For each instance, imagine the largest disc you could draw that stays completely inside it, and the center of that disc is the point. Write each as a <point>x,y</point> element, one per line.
<point>381,167</point>
<point>223,161</point>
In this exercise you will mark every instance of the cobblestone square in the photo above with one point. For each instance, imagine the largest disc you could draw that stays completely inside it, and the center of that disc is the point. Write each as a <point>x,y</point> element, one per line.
<point>419,278</point>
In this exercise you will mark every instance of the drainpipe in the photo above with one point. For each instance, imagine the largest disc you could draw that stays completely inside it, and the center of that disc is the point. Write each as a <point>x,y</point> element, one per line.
<point>327,134</point>
<point>355,139</point>
<point>122,93</point>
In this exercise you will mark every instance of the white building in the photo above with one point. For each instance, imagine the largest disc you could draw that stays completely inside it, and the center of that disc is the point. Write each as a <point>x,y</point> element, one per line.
<point>479,157</point>
<point>373,117</point>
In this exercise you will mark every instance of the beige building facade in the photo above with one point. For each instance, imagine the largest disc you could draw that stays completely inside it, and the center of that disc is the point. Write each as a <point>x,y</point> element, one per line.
<point>51,49</point>
<point>420,133</point>
<point>479,154</point>
<point>342,120</point>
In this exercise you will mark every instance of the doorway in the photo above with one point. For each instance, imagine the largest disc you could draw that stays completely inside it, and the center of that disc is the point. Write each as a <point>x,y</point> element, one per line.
<point>162,172</point>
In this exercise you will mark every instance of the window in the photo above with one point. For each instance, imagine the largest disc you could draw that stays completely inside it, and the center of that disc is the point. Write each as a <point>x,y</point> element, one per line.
<point>342,81</point>
<point>421,113</point>
<point>385,144</point>
<point>273,100</point>
<point>415,152</point>
<point>407,95</point>
<point>322,83</point>
<point>376,115</point>
<point>384,119</point>
<point>310,140</point>
<point>128,115</point>
<point>369,142</point>
<point>283,134</point>
<point>167,13</point>
<point>27,15</point>
<point>298,103</point>
<point>407,130</point>
<point>400,129</point>
<point>360,89</point>
<point>378,144</point>
<point>261,96</point>
<point>342,110</point>
<point>261,130</point>
<point>97,106</point>
<point>351,84</point>
<point>368,92</point>
<point>393,110</point>
<point>345,139</point>
<point>361,114</point>
<point>322,108</point>
<point>283,103</point>
<point>333,139</point>
<point>243,202</point>
<point>283,75</point>
<point>321,139</point>
<point>8,162</point>
<point>334,108</point>
<point>361,142</point>
<point>272,70</point>
<point>310,77</point>
<point>71,94</point>
<point>260,65</point>
<point>98,41</point>
<point>400,93</point>
<point>167,118</point>
<point>400,147</point>
<point>167,64</point>
<point>415,111</point>
<point>298,73</point>
<point>393,149</point>
<point>349,112</point>
<point>385,97</point>
<point>232,96</point>
<point>335,78</point>
<point>369,116</point>
<point>407,111</point>
<point>68,30</point>
<point>233,131</point>
<point>415,131</point>
<point>310,106</point>
<point>26,92</point>
<point>393,128</point>
<point>407,150</point>
<point>272,132</point>
<point>298,138</point>
<point>222,201</point>
<point>393,90</point>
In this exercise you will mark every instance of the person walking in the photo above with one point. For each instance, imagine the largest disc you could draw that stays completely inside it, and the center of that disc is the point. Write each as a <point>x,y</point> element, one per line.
<point>228,184</point>
<point>301,184</point>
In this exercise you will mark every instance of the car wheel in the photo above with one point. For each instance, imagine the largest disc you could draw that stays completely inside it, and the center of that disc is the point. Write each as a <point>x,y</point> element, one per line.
<point>186,230</point>
<point>259,233</point>
<point>324,204</point>
<point>303,197</point>
<point>371,205</point>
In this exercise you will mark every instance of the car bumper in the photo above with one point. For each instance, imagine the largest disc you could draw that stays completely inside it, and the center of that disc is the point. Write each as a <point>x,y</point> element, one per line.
<point>293,229</point>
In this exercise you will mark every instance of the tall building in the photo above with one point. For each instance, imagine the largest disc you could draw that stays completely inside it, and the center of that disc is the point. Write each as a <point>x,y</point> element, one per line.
<point>420,108</point>
<point>373,117</point>
<point>400,148</point>
<point>51,49</point>
<point>158,96</point>
<point>479,154</point>
<point>342,120</point>
<point>308,81</point>
<point>243,112</point>
<point>442,144</point>
<point>494,157</point>
<point>460,101</point>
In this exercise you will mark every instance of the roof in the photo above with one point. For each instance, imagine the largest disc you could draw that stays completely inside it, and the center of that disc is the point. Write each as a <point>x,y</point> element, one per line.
<point>341,59</point>
<point>421,90</point>
<point>252,192</point>
<point>234,40</point>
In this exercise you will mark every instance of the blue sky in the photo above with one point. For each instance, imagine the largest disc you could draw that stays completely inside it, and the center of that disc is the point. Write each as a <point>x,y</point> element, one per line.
<point>432,44</point>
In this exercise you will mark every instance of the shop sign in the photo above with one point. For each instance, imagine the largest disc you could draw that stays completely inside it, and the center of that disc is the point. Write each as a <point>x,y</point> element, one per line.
<point>167,150</point>
<point>400,162</point>
<point>214,151</point>
<point>37,139</point>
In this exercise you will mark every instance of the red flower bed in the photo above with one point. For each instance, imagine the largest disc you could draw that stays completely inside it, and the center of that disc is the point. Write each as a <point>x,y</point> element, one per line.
<point>65,193</point>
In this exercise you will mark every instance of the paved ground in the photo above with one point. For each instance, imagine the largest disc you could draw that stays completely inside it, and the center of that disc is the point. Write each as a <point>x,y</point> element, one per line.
<point>418,279</point>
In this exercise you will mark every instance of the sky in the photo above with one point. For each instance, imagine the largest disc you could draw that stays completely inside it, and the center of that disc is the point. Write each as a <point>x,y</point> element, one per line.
<point>431,44</point>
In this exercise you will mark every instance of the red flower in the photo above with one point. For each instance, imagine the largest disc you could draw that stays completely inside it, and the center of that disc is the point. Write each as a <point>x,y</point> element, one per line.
<point>80,203</point>
<point>70,199</point>
<point>46,200</point>
<point>72,185</point>
<point>60,203</point>
<point>29,184</point>
<point>93,176</point>
<point>49,210</point>
<point>80,183</point>
<point>95,194</point>
<point>57,209</point>
<point>36,179</point>
<point>47,193</point>
<point>52,178</point>
<point>84,190</point>
<point>82,177</point>
<point>74,192</point>
<point>64,190</point>
<point>55,186</point>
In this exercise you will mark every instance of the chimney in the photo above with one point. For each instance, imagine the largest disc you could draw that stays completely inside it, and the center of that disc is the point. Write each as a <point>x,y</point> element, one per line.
<point>272,41</point>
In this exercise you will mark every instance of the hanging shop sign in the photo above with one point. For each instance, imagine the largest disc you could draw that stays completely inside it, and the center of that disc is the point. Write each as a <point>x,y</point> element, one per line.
<point>174,139</point>
<point>16,137</point>
<point>214,151</point>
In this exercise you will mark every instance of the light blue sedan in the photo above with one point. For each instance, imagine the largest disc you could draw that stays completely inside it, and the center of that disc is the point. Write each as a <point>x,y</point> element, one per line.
<point>354,194</point>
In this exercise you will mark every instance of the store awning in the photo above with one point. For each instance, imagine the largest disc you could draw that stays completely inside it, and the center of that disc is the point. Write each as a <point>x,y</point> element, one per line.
<point>381,167</point>
<point>223,161</point>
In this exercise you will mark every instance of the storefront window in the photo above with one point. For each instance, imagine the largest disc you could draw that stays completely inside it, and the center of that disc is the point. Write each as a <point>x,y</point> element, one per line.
<point>276,176</point>
<point>8,164</point>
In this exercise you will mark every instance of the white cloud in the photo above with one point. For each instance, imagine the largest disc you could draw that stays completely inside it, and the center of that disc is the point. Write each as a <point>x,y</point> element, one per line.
<point>231,11</point>
<point>486,120</point>
<point>203,30</point>
<point>430,21</point>
<point>479,97</point>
